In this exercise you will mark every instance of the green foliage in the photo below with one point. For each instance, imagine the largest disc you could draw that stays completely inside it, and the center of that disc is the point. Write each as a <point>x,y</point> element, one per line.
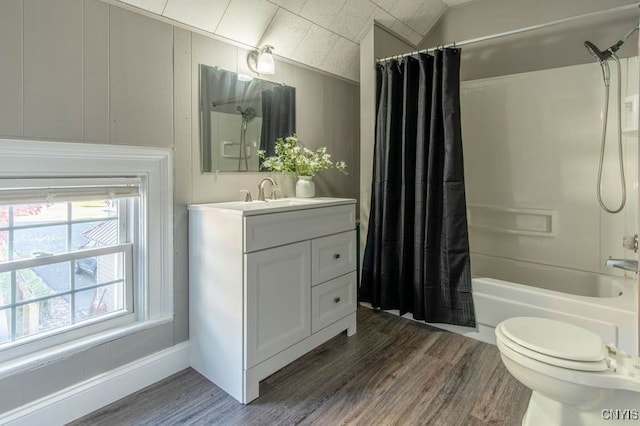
<point>292,158</point>
<point>27,281</point>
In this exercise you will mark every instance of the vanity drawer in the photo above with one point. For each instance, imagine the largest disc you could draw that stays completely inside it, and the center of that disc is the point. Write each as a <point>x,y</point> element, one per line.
<point>332,256</point>
<point>275,229</point>
<point>332,300</point>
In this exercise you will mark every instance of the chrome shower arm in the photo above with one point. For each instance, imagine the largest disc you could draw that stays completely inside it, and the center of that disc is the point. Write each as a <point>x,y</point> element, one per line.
<point>628,34</point>
<point>613,49</point>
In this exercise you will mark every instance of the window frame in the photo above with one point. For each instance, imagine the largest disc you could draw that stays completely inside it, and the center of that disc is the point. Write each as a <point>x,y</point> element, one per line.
<point>151,256</point>
<point>126,213</point>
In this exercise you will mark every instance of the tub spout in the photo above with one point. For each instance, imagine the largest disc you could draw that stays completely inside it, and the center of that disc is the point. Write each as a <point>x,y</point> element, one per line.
<point>627,265</point>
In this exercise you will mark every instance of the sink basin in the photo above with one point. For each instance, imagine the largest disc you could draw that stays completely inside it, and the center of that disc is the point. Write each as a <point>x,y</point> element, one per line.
<point>247,208</point>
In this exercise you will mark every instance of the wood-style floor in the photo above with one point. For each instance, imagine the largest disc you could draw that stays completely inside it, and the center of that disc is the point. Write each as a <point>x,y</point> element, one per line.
<point>392,372</point>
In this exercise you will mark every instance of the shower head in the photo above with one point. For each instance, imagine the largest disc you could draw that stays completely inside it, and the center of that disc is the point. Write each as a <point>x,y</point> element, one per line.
<point>603,55</point>
<point>248,114</point>
<point>602,58</point>
<point>597,53</point>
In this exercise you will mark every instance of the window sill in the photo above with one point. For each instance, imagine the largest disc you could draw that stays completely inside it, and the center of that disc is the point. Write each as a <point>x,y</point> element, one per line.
<point>66,350</point>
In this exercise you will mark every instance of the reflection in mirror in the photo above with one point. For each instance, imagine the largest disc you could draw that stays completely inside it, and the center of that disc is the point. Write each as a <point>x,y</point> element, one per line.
<point>239,116</point>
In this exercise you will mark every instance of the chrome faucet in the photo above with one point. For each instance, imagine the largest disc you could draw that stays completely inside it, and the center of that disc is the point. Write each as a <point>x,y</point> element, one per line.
<point>627,265</point>
<point>261,187</point>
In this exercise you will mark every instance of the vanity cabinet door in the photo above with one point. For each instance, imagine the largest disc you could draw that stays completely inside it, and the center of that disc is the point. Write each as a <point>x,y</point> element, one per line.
<point>278,300</point>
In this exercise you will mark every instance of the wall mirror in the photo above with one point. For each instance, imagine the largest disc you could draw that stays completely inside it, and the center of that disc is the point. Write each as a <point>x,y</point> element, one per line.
<point>239,116</point>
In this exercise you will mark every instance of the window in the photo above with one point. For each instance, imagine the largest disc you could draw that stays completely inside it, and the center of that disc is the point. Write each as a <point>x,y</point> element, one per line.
<point>86,251</point>
<point>66,254</point>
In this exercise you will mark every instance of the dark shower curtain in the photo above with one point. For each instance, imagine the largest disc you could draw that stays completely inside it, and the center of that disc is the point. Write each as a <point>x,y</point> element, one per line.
<point>278,116</point>
<point>417,253</point>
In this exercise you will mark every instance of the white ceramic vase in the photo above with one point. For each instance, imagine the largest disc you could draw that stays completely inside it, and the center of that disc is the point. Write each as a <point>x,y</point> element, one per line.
<point>305,187</point>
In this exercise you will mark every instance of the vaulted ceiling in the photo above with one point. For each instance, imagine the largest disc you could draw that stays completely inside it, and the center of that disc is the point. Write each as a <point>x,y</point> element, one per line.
<point>323,34</point>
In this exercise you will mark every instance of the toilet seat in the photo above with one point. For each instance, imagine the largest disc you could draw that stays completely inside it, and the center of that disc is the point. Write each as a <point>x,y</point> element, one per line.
<point>563,359</point>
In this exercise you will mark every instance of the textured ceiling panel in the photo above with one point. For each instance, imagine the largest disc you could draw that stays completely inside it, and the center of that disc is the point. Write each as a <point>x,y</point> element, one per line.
<point>353,17</point>
<point>426,16</point>
<point>324,34</point>
<point>203,14</point>
<point>246,20</point>
<point>340,57</point>
<point>404,9</point>
<point>285,32</point>
<point>291,5</point>
<point>387,5</point>
<point>315,46</point>
<point>322,12</point>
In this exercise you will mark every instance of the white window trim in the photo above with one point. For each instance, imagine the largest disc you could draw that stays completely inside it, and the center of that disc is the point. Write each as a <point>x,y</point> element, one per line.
<point>37,159</point>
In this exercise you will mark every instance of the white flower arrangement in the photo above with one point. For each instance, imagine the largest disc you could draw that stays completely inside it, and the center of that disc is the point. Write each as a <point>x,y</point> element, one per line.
<point>293,158</point>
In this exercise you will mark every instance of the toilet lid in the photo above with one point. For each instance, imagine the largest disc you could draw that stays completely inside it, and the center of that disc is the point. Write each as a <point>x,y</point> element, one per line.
<point>537,356</point>
<point>555,338</point>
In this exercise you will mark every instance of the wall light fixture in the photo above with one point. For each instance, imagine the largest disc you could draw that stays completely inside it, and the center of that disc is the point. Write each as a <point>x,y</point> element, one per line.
<point>261,61</point>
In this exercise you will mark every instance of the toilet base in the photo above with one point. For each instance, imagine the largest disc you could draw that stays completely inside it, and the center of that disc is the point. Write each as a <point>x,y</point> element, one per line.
<point>545,411</point>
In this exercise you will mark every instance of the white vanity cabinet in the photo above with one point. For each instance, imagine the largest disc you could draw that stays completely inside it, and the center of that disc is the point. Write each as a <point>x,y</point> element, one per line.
<point>268,283</point>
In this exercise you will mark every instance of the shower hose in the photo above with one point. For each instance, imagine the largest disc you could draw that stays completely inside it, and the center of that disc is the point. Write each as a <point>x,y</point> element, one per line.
<point>603,142</point>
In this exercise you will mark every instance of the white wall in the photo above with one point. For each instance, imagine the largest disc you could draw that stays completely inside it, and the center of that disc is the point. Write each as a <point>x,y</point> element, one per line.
<point>87,71</point>
<point>531,143</point>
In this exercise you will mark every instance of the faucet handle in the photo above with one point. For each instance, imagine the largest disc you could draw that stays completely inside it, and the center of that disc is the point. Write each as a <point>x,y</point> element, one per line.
<point>274,193</point>
<point>630,242</point>
<point>247,195</point>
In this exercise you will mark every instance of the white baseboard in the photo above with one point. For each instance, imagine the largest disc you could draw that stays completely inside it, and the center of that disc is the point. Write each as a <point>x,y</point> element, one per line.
<point>97,392</point>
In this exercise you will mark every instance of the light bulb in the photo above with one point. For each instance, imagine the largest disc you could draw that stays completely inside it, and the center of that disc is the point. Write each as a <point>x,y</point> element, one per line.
<point>266,64</point>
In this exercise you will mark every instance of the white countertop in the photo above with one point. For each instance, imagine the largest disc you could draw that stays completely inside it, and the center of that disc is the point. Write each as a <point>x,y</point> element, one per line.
<point>249,208</point>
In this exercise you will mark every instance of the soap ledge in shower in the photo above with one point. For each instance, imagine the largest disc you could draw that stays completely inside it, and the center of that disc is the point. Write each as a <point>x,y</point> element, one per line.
<point>517,221</point>
<point>630,111</point>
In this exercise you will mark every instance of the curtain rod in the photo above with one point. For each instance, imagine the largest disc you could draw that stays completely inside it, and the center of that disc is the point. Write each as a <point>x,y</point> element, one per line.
<point>512,32</point>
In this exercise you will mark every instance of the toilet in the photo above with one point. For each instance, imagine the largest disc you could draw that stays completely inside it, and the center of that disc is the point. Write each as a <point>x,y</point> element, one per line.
<point>575,378</point>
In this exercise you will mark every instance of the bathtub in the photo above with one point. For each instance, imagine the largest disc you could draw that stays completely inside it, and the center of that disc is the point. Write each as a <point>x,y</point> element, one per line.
<point>504,288</point>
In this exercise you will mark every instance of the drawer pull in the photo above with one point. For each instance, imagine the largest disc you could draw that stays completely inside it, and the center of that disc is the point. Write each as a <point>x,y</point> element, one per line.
<point>336,256</point>
<point>336,300</point>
